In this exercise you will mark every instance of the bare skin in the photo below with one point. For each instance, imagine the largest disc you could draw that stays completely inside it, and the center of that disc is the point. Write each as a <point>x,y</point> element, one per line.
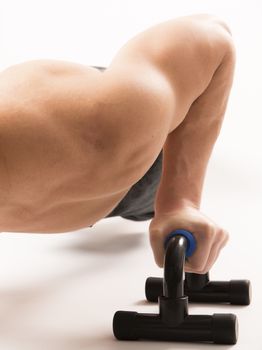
<point>43,166</point>
<point>73,140</point>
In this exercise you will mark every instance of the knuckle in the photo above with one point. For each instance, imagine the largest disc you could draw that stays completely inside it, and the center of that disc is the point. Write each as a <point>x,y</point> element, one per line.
<point>225,239</point>
<point>215,233</point>
<point>209,231</point>
<point>224,235</point>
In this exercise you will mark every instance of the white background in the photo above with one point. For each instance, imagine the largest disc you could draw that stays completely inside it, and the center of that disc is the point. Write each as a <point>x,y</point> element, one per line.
<point>60,291</point>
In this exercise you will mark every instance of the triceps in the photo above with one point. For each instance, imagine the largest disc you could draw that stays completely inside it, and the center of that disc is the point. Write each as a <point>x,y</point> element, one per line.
<point>139,106</point>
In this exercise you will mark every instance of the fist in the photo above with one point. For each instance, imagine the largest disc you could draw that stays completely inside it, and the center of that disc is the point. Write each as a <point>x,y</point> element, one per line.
<point>210,238</point>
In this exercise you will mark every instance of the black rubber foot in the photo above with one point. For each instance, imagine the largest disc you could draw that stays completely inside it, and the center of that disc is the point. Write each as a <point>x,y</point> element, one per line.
<point>124,325</point>
<point>225,328</point>
<point>152,288</point>
<point>240,292</point>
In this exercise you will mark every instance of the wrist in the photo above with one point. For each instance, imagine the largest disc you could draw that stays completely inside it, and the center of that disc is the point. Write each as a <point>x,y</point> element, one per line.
<point>176,205</point>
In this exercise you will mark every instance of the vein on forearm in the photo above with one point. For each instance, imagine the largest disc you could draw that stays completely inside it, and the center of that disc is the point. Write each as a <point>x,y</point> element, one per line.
<point>186,154</point>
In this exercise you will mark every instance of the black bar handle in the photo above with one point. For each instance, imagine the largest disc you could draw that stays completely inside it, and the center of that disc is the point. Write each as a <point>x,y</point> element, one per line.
<point>235,292</point>
<point>173,323</point>
<point>216,328</point>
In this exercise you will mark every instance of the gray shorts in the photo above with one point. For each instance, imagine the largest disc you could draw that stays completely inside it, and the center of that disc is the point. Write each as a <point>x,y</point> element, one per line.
<point>138,203</point>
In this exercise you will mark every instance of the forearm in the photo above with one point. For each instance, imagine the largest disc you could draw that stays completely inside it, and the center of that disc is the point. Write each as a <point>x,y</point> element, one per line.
<point>186,154</point>
<point>188,148</point>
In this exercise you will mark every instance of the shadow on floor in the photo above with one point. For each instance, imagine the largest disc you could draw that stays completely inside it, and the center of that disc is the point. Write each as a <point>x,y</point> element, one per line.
<point>15,301</point>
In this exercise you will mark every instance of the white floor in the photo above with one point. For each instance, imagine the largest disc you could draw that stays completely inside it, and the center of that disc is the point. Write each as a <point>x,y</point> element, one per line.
<point>61,291</point>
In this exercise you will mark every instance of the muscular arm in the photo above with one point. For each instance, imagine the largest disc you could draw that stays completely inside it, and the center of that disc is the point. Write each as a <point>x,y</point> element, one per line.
<point>60,125</point>
<point>188,148</point>
<point>196,56</point>
<point>187,52</point>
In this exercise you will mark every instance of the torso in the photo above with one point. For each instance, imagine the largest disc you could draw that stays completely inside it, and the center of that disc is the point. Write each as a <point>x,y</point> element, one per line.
<point>32,205</point>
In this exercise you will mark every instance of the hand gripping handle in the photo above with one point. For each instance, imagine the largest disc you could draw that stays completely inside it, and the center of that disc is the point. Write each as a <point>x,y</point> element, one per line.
<point>191,241</point>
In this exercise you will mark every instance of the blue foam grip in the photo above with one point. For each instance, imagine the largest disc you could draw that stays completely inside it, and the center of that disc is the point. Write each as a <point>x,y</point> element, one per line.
<point>191,241</point>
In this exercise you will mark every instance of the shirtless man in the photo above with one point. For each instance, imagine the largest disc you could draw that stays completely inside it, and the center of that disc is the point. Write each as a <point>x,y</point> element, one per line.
<point>75,139</point>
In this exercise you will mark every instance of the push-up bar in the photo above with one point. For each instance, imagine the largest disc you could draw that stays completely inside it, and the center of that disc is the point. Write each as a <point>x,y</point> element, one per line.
<point>173,323</point>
